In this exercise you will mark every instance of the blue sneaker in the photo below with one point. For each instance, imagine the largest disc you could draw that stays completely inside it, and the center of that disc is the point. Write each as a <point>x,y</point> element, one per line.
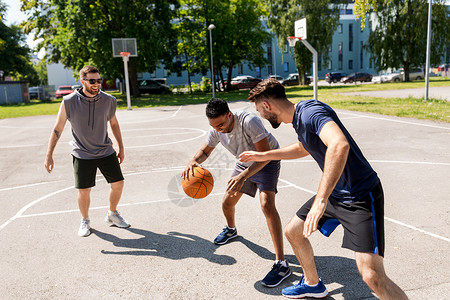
<point>302,290</point>
<point>276,275</point>
<point>226,235</point>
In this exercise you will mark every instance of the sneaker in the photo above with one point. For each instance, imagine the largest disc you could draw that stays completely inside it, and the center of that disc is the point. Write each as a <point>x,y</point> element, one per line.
<point>301,290</point>
<point>226,235</point>
<point>84,227</point>
<point>277,274</point>
<point>114,218</point>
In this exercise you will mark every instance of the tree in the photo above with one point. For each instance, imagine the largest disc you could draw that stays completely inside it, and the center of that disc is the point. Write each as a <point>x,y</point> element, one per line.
<point>400,35</point>
<point>322,18</point>
<point>239,34</point>
<point>15,54</point>
<point>79,32</point>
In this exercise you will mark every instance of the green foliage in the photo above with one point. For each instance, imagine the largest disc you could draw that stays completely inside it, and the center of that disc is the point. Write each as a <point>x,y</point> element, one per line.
<point>205,85</point>
<point>322,18</point>
<point>238,36</point>
<point>15,55</point>
<point>400,37</point>
<point>79,32</point>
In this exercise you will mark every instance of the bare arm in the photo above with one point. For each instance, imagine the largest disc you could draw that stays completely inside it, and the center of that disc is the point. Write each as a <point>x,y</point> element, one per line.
<point>289,152</point>
<point>61,120</point>
<point>118,135</point>
<point>199,157</point>
<point>335,160</point>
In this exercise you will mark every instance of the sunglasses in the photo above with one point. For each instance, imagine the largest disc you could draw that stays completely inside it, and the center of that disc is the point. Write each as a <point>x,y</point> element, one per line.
<point>93,81</point>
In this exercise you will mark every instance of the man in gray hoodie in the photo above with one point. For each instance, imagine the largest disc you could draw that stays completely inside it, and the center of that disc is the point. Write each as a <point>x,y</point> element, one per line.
<point>88,110</point>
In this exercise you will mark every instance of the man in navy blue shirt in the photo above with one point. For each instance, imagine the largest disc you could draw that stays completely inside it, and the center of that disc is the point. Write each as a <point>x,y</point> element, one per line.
<point>349,193</point>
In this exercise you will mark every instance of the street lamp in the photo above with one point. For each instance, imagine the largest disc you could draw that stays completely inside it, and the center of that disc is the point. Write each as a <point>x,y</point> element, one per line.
<point>210,28</point>
<point>1,75</point>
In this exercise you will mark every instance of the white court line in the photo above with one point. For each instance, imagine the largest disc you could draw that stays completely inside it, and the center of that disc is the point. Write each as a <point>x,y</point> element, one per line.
<point>20,146</point>
<point>154,120</point>
<point>292,161</point>
<point>393,120</point>
<point>418,229</point>
<point>28,185</point>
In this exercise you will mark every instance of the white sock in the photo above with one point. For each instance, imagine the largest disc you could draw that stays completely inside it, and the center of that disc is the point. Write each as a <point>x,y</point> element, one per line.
<point>232,228</point>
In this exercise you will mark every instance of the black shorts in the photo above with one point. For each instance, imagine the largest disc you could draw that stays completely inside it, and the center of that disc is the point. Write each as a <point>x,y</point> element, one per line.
<point>85,170</point>
<point>362,220</point>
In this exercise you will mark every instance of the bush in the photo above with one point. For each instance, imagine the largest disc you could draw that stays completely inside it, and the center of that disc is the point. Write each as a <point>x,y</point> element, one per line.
<point>205,85</point>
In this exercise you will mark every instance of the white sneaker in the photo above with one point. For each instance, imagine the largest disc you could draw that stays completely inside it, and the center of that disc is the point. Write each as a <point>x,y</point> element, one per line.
<point>84,227</point>
<point>114,218</point>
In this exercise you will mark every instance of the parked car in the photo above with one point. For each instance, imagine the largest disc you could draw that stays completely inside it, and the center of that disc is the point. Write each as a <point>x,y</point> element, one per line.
<point>334,77</point>
<point>35,92</point>
<point>76,86</point>
<point>358,76</point>
<point>63,90</point>
<point>415,74</point>
<point>245,83</point>
<point>277,77</point>
<point>293,79</point>
<point>150,86</point>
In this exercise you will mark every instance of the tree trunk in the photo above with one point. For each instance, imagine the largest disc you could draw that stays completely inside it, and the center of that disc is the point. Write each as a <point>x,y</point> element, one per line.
<point>132,75</point>
<point>230,70</point>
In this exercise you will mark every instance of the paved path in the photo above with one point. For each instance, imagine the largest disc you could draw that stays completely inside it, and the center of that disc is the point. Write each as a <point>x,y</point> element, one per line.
<point>442,93</point>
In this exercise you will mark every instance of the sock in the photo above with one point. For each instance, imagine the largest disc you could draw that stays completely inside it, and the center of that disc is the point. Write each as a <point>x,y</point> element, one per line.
<point>283,263</point>
<point>312,285</point>
<point>232,228</point>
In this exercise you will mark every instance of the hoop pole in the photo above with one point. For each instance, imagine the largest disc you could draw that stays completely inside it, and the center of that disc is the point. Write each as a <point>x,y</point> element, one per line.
<point>127,84</point>
<point>315,65</point>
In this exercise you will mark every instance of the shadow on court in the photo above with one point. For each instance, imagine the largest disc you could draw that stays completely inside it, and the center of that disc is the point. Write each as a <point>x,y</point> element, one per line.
<point>173,245</point>
<point>332,269</point>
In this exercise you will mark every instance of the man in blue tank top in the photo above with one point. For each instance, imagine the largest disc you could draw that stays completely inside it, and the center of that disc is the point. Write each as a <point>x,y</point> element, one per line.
<point>349,193</point>
<point>89,110</point>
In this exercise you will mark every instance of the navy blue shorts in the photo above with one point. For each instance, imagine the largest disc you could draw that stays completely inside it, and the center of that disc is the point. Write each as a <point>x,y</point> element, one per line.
<point>265,180</point>
<point>362,220</point>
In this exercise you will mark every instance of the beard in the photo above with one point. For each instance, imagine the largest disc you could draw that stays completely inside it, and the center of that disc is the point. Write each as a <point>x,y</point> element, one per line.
<point>273,120</point>
<point>92,91</point>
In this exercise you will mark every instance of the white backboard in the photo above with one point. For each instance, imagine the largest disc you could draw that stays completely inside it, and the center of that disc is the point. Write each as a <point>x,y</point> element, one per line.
<point>124,45</point>
<point>300,28</point>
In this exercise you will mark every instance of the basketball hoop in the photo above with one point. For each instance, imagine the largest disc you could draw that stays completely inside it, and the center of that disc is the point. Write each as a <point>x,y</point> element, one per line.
<point>125,54</point>
<point>292,40</point>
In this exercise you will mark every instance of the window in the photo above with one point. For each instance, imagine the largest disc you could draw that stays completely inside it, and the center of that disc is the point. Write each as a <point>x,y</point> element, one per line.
<point>350,64</point>
<point>349,12</point>
<point>269,53</point>
<point>361,55</point>
<point>286,67</point>
<point>240,69</point>
<point>329,65</point>
<point>286,48</point>
<point>340,30</point>
<point>340,55</point>
<point>269,69</point>
<point>319,62</point>
<point>258,71</point>
<point>350,37</point>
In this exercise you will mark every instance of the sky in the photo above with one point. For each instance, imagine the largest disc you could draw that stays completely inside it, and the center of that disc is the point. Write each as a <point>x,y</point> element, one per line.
<point>15,16</point>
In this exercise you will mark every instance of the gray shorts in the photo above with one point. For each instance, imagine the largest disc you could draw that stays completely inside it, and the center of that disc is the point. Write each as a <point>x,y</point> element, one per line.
<point>265,180</point>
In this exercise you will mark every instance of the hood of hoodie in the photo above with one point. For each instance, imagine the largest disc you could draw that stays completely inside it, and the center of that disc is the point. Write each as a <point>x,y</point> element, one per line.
<point>91,101</point>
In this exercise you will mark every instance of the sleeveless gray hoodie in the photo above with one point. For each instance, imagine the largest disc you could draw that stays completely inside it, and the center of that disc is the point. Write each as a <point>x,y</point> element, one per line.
<point>89,120</point>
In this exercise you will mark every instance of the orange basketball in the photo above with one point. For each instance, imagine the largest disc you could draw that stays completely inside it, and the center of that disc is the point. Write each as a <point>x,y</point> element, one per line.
<point>199,185</point>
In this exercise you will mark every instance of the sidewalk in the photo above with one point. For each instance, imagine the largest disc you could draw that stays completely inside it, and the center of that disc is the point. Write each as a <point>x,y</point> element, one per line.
<point>442,93</point>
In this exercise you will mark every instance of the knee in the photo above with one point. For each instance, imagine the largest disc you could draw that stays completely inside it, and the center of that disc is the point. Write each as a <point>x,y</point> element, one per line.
<point>84,192</point>
<point>372,278</point>
<point>294,231</point>
<point>268,206</point>
<point>118,185</point>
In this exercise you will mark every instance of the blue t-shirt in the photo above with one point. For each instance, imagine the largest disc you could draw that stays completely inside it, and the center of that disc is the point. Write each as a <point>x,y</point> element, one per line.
<point>358,177</point>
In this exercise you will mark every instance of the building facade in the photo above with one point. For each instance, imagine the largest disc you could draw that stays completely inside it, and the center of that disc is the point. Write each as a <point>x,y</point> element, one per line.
<point>346,54</point>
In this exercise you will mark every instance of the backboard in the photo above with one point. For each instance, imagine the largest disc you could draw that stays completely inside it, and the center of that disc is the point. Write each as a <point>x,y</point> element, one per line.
<point>300,28</point>
<point>124,45</point>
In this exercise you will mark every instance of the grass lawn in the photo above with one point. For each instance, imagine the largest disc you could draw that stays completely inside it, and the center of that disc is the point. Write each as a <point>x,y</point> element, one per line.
<point>436,110</point>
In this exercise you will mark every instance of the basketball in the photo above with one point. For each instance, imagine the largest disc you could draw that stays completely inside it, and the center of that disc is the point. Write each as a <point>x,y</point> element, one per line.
<point>199,185</point>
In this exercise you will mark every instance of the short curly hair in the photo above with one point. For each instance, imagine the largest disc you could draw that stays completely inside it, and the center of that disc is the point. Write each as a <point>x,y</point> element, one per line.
<point>268,88</point>
<point>216,107</point>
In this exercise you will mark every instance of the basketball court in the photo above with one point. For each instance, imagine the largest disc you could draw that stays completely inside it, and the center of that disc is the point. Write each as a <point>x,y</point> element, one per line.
<point>168,253</point>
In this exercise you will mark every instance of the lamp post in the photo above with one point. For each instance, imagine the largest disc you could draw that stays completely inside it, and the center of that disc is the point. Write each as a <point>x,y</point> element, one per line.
<point>210,28</point>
